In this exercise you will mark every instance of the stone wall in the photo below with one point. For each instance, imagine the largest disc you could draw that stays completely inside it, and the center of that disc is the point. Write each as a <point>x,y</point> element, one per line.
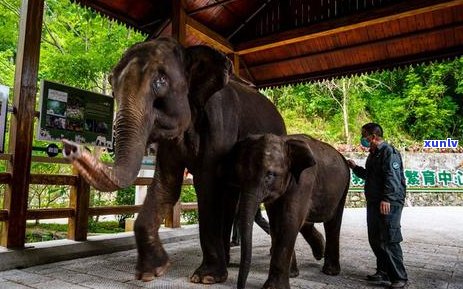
<point>452,163</point>
<point>413,199</point>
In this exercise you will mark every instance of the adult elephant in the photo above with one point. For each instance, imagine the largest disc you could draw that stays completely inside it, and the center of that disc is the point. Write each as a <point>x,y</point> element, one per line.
<point>182,99</point>
<point>301,181</point>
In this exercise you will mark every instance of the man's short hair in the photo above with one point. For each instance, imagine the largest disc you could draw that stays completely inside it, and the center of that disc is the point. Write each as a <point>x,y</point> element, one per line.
<point>373,128</point>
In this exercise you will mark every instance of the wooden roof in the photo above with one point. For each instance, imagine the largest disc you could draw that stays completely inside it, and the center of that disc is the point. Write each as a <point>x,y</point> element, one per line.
<point>286,41</point>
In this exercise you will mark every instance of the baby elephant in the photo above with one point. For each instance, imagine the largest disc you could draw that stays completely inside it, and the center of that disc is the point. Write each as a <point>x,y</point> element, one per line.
<point>301,181</point>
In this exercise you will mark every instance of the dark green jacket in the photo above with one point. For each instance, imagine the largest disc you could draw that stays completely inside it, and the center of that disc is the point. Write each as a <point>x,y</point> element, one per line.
<point>383,175</point>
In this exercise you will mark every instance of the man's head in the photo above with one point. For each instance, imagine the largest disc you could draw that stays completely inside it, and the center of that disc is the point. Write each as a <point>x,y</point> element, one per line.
<point>372,135</point>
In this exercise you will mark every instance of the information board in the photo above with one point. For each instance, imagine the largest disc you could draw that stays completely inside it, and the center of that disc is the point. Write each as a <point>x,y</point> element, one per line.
<point>4,92</point>
<point>78,115</point>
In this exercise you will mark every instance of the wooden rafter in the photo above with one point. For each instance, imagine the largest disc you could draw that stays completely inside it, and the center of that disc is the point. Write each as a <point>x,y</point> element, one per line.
<point>254,14</point>
<point>365,67</point>
<point>207,7</point>
<point>209,36</point>
<point>361,19</point>
<point>383,41</point>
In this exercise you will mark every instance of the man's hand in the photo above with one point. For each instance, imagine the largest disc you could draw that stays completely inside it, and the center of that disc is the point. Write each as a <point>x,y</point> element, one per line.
<point>351,164</point>
<point>384,207</point>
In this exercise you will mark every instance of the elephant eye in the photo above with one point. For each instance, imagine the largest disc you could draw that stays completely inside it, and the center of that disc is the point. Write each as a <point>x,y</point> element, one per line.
<point>160,82</point>
<point>270,176</point>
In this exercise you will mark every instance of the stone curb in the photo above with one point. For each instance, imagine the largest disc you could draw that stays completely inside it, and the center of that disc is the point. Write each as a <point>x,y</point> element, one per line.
<point>61,250</point>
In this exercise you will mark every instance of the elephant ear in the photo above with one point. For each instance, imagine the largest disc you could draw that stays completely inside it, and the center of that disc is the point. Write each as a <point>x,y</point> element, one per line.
<point>300,155</point>
<point>209,71</point>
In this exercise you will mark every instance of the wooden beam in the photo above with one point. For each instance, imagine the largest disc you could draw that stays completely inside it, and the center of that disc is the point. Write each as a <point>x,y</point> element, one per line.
<point>365,67</point>
<point>236,64</point>
<point>381,41</point>
<point>39,159</point>
<point>208,36</point>
<point>145,181</point>
<point>179,21</point>
<point>189,206</point>
<point>55,213</point>
<point>79,201</point>
<point>245,22</point>
<point>173,218</point>
<point>42,179</point>
<point>3,215</point>
<point>113,210</point>
<point>21,128</point>
<point>361,19</point>
<point>5,178</point>
<point>207,7</point>
<point>6,157</point>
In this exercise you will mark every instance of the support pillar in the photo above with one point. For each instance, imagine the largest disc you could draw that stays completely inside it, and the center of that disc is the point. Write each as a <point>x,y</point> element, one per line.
<point>178,32</point>
<point>22,123</point>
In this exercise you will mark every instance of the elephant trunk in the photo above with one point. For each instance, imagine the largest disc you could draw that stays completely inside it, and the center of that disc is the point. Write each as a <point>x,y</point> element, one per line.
<point>248,206</point>
<point>130,147</point>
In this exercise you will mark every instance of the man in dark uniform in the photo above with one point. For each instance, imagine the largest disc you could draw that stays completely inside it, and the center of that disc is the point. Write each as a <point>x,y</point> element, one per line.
<point>385,195</point>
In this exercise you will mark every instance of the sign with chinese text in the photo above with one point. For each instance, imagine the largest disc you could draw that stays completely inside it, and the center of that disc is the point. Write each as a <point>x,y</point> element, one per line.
<point>81,116</point>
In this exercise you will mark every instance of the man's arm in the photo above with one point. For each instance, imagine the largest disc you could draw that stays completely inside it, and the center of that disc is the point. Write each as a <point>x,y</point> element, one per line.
<point>358,170</point>
<point>392,165</point>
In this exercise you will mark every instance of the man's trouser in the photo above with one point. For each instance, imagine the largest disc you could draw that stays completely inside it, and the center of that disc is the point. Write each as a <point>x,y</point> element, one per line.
<point>385,236</point>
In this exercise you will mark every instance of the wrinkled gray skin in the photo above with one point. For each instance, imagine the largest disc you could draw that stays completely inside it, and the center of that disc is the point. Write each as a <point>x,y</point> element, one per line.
<point>301,181</point>
<point>184,100</point>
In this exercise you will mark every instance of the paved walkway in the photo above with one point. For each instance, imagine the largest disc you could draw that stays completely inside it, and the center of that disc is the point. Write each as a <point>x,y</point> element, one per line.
<point>433,252</point>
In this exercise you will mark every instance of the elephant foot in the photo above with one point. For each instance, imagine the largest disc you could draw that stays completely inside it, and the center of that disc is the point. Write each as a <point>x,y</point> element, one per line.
<point>318,252</point>
<point>276,285</point>
<point>208,275</point>
<point>293,270</point>
<point>293,273</point>
<point>331,269</point>
<point>149,274</point>
<point>152,265</point>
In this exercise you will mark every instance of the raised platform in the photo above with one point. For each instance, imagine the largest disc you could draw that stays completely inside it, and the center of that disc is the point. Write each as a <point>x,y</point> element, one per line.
<point>433,253</point>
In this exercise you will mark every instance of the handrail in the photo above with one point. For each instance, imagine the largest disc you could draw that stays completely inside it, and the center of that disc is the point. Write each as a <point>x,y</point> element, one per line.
<point>3,215</point>
<point>113,210</point>
<point>50,213</point>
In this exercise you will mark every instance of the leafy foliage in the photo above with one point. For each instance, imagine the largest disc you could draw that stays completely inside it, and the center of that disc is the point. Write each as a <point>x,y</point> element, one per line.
<point>188,194</point>
<point>412,104</point>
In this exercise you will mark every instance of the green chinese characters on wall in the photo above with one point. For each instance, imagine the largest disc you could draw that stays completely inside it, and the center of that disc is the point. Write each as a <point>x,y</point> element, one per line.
<point>424,178</point>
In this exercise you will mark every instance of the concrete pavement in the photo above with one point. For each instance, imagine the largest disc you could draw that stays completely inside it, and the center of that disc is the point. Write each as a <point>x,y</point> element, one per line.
<point>433,253</point>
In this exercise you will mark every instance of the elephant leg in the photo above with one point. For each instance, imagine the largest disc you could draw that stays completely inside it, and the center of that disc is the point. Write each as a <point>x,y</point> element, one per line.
<point>293,270</point>
<point>332,232</point>
<point>161,197</point>
<point>315,239</point>
<point>152,258</point>
<point>213,268</point>
<point>284,227</point>
<point>229,205</point>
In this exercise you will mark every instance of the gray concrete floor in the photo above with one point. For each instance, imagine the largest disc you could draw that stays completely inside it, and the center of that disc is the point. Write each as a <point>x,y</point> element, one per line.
<point>433,253</point>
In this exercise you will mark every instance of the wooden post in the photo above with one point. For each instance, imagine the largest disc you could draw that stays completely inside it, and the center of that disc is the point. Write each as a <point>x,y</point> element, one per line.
<point>236,64</point>
<point>179,21</point>
<point>79,200</point>
<point>178,32</point>
<point>173,219</point>
<point>22,123</point>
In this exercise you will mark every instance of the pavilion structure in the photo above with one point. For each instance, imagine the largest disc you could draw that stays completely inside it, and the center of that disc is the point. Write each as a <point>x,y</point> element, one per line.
<point>271,43</point>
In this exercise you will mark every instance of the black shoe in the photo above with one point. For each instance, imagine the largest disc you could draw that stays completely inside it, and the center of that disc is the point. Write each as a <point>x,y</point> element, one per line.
<point>378,277</point>
<point>234,243</point>
<point>398,284</point>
